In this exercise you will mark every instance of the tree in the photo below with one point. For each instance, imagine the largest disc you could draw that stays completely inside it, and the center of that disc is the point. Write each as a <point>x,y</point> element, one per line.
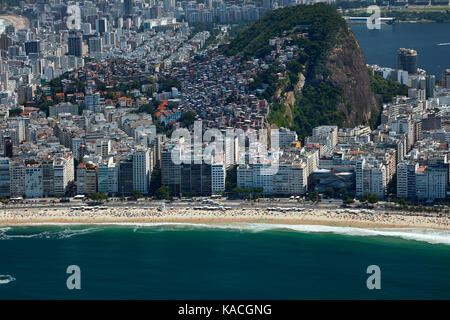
<point>329,192</point>
<point>97,196</point>
<point>348,201</point>
<point>137,194</point>
<point>162,193</point>
<point>372,198</point>
<point>188,118</point>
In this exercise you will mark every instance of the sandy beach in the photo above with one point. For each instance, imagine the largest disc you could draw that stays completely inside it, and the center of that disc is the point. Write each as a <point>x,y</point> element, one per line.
<point>75,215</point>
<point>18,21</point>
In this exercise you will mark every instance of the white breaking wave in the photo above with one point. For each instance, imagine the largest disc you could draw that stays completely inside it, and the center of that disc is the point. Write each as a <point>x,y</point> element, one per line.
<point>444,44</point>
<point>425,235</point>
<point>4,279</point>
<point>432,236</point>
<point>63,234</point>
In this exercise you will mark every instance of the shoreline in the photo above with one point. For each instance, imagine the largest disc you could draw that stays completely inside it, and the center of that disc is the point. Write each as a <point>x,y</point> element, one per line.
<point>19,22</point>
<point>131,216</point>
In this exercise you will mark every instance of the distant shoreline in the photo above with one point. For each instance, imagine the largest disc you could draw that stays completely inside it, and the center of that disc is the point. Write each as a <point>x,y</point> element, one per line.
<point>19,22</point>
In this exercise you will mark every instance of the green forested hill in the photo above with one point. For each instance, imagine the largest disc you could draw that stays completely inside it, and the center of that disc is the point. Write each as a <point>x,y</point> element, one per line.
<point>337,85</point>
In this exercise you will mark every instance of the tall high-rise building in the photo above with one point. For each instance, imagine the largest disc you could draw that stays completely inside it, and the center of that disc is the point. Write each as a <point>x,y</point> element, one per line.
<point>95,45</point>
<point>17,176</point>
<point>101,26</point>
<point>125,176</point>
<point>8,147</point>
<point>407,60</point>
<point>5,181</point>
<point>430,84</point>
<point>5,42</point>
<point>142,170</point>
<point>75,43</point>
<point>168,5</point>
<point>128,7</point>
<point>446,79</point>
<point>33,46</point>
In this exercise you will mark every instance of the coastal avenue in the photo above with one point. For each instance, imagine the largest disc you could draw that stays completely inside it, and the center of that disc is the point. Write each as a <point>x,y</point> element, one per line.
<point>280,204</point>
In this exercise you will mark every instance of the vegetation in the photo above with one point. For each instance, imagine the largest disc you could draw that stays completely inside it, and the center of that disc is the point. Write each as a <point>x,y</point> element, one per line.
<point>97,196</point>
<point>248,193</point>
<point>386,89</point>
<point>371,198</point>
<point>137,194</point>
<point>313,197</point>
<point>348,201</point>
<point>322,20</point>
<point>162,193</point>
<point>316,107</point>
<point>15,112</point>
<point>317,104</point>
<point>187,118</point>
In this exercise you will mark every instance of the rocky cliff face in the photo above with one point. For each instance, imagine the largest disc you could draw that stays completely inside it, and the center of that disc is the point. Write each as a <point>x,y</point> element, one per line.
<point>346,68</point>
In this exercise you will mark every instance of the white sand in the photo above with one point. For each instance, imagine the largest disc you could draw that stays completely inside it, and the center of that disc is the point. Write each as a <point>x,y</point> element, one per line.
<point>378,219</point>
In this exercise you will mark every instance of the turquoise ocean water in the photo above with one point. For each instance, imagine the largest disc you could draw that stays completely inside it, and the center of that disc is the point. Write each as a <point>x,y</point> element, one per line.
<point>245,262</point>
<point>222,262</point>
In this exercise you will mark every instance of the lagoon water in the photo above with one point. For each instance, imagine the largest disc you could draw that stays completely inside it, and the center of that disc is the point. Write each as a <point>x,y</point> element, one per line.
<point>168,261</point>
<point>431,40</point>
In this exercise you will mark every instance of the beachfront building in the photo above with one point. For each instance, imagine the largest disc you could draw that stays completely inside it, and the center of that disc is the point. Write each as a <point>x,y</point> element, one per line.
<point>290,177</point>
<point>108,177</point>
<point>218,175</point>
<point>17,171</point>
<point>196,178</point>
<point>406,179</point>
<point>370,177</point>
<point>86,178</point>
<point>5,182</point>
<point>170,170</point>
<point>63,173</point>
<point>431,182</point>
<point>33,181</point>
<point>125,175</point>
<point>142,170</point>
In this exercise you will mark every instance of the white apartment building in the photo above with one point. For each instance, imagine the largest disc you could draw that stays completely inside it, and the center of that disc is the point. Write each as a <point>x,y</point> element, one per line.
<point>370,177</point>
<point>142,170</point>
<point>63,174</point>
<point>431,182</point>
<point>218,175</point>
<point>291,178</point>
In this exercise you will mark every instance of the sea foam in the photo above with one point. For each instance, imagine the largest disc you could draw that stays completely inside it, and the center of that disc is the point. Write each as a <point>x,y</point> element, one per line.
<point>432,236</point>
<point>60,234</point>
<point>5,279</point>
